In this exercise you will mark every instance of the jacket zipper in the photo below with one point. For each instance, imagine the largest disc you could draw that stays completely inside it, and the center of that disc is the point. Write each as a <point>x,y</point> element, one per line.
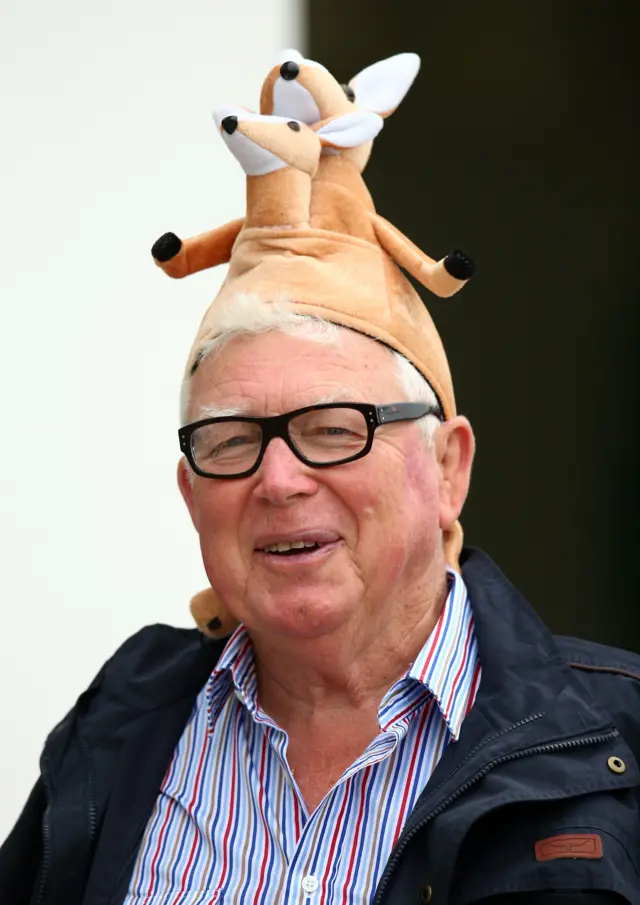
<point>92,801</point>
<point>46,834</point>
<point>46,856</point>
<point>538,749</point>
<point>46,831</point>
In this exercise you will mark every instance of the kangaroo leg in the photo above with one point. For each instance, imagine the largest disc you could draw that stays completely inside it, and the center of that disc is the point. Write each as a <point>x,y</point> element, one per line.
<point>443,278</point>
<point>211,617</point>
<point>180,258</point>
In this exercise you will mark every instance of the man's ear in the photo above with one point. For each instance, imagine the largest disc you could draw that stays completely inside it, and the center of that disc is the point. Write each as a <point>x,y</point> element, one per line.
<point>454,447</point>
<point>185,483</point>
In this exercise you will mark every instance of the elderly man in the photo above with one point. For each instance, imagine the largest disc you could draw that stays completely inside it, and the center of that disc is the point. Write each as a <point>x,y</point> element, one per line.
<point>380,727</point>
<point>376,718</point>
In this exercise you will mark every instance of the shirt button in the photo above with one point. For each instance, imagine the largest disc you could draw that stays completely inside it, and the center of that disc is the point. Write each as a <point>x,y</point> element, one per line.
<point>310,883</point>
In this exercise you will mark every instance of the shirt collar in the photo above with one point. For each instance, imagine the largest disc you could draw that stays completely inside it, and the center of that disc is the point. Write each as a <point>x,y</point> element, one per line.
<point>447,663</point>
<point>235,670</point>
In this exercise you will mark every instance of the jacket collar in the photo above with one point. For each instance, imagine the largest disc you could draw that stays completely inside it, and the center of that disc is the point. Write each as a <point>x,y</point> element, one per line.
<point>528,697</point>
<point>523,671</point>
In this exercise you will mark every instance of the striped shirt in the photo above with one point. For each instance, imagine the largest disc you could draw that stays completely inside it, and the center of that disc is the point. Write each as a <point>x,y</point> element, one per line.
<point>230,825</point>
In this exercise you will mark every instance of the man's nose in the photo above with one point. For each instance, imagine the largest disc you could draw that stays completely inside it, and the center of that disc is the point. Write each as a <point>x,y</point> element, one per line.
<point>282,476</point>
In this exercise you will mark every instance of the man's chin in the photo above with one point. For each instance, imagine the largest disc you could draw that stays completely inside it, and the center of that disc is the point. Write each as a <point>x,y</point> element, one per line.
<point>302,614</point>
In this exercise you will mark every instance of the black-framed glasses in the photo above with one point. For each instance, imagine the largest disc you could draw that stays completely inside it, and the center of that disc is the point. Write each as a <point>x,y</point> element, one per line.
<point>322,435</point>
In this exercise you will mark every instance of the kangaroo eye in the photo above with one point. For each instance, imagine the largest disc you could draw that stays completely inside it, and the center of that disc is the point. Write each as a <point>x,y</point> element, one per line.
<point>293,125</point>
<point>348,90</point>
<point>289,71</point>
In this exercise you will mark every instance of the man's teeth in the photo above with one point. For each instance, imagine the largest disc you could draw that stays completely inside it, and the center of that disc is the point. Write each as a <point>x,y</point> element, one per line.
<point>296,545</point>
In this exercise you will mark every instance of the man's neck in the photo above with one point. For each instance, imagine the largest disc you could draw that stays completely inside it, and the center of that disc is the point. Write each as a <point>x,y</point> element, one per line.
<point>326,681</point>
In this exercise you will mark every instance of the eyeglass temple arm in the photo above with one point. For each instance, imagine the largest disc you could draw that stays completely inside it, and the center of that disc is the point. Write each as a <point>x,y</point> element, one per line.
<point>405,411</point>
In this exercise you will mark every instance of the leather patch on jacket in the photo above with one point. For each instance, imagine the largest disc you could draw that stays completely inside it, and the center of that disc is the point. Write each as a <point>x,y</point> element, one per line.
<point>574,845</point>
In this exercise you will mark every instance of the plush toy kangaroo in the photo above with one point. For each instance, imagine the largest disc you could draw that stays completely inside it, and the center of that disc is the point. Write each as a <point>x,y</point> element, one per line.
<point>305,91</point>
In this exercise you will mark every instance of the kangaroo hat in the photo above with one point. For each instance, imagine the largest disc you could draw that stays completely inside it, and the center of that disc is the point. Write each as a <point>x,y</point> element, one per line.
<point>311,232</point>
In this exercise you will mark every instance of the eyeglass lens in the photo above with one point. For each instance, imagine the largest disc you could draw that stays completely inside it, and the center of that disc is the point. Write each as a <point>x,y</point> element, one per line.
<point>321,436</point>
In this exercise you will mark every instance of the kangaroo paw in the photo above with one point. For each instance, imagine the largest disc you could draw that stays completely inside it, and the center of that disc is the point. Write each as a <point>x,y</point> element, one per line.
<point>211,617</point>
<point>166,247</point>
<point>459,265</point>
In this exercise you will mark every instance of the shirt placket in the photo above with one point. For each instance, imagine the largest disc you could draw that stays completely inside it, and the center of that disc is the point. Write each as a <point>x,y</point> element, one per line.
<point>306,866</point>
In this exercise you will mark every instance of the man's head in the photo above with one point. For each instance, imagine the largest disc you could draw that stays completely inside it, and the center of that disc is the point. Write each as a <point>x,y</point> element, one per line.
<point>379,519</point>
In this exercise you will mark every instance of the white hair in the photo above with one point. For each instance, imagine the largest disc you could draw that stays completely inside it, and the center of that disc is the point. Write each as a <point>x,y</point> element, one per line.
<point>249,315</point>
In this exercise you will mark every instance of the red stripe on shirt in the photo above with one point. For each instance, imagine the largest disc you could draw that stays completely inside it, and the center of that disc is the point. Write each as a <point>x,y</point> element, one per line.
<point>265,857</point>
<point>454,689</point>
<point>190,807</point>
<point>231,820</point>
<point>356,834</point>
<point>336,833</point>
<point>407,786</point>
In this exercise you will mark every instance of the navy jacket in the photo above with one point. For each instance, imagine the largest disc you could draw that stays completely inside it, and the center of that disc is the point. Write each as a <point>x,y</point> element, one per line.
<point>549,749</point>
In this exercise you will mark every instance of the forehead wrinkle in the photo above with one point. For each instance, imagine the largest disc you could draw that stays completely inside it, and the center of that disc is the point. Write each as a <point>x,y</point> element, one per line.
<point>343,394</point>
<point>226,411</point>
<point>217,411</point>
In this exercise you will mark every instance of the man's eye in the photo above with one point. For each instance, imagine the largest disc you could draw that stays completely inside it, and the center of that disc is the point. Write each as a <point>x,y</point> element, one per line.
<point>331,433</point>
<point>231,443</point>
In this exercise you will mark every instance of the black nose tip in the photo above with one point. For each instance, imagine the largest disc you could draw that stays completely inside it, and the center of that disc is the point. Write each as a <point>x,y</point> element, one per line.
<point>293,125</point>
<point>289,71</point>
<point>230,124</point>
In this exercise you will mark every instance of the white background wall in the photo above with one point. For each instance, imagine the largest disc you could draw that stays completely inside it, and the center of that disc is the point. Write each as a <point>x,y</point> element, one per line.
<point>106,141</point>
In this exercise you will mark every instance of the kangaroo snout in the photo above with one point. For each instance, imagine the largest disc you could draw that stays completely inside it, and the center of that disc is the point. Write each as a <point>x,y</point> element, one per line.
<point>289,71</point>
<point>229,124</point>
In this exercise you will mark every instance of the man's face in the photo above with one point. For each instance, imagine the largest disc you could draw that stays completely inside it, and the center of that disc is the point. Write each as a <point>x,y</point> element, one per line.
<point>380,517</point>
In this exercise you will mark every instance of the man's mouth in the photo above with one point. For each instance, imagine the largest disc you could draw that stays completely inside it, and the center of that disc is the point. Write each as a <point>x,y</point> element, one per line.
<point>291,549</point>
<point>304,545</point>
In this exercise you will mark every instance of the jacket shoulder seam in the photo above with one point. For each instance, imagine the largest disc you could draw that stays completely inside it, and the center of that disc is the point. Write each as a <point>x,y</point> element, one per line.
<point>612,669</point>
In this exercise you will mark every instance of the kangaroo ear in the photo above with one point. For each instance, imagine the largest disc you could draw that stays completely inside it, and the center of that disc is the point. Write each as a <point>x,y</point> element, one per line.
<point>381,86</point>
<point>350,130</point>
